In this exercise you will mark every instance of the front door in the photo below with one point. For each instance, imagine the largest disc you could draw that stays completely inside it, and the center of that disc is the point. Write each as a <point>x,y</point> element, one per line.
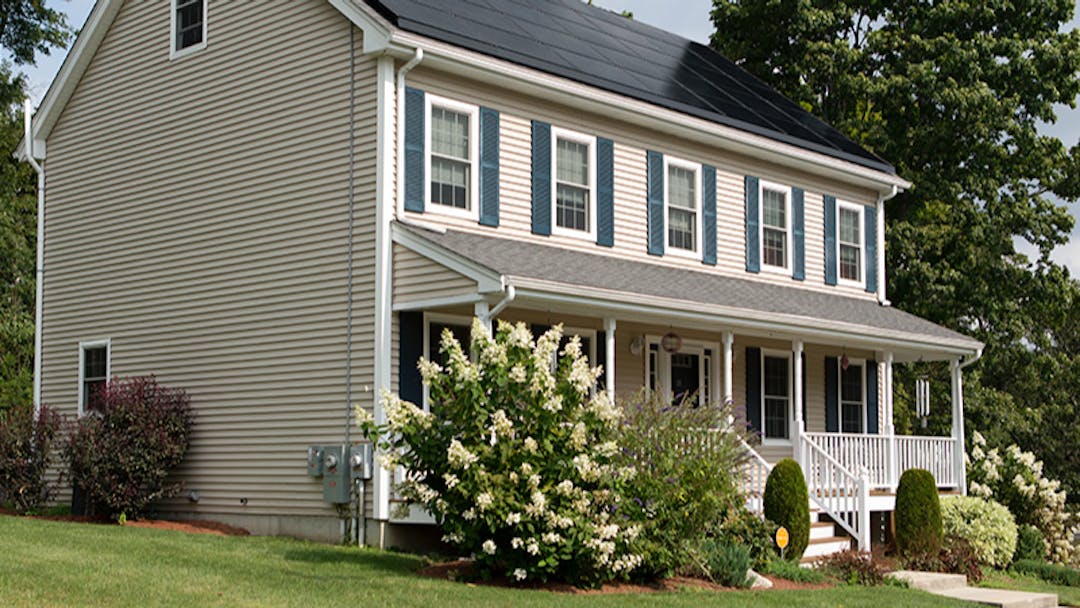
<point>688,372</point>
<point>685,375</point>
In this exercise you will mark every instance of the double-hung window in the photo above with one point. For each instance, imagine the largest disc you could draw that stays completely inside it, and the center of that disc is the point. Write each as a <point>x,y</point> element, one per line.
<point>776,395</point>
<point>850,242</point>
<point>775,227</point>
<point>93,373</point>
<point>852,398</point>
<point>452,133</point>
<point>188,26</point>
<point>574,178</point>
<point>682,207</point>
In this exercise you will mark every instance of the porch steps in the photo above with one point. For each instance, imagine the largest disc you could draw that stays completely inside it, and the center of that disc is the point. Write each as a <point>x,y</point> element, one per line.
<point>955,586</point>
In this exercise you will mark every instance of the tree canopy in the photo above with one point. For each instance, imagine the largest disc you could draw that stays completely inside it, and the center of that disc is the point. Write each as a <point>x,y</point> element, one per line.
<point>952,92</point>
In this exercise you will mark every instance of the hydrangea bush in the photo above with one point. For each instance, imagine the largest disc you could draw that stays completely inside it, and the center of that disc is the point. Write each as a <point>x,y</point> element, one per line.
<point>1015,479</point>
<point>516,458</point>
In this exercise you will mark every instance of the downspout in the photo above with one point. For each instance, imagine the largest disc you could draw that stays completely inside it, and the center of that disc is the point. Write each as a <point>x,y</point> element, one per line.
<point>486,318</point>
<point>958,424</point>
<point>881,294</point>
<point>40,271</point>
<point>399,142</point>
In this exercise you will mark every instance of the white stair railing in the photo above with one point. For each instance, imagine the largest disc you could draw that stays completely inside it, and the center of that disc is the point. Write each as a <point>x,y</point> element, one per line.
<point>841,494</point>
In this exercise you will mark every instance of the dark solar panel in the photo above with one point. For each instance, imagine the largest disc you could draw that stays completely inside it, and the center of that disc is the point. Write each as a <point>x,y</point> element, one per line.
<point>593,46</point>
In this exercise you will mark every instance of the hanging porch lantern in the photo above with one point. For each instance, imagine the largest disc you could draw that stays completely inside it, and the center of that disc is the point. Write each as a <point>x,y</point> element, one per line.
<point>671,342</point>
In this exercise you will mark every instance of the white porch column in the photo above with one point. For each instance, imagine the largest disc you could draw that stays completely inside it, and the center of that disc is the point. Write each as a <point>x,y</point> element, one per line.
<point>797,400</point>
<point>609,357</point>
<point>887,412</point>
<point>729,362</point>
<point>958,424</point>
<point>481,311</point>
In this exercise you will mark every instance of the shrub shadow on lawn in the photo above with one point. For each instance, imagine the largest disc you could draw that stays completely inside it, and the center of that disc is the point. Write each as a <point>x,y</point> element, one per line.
<point>388,562</point>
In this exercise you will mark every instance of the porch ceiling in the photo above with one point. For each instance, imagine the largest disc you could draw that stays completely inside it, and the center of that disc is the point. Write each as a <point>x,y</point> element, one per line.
<point>593,283</point>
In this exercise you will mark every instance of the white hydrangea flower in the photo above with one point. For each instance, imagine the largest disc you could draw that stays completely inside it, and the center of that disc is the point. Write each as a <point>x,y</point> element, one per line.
<point>516,542</point>
<point>530,445</point>
<point>978,439</point>
<point>551,538</point>
<point>520,336</point>
<point>532,547</point>
<point>468,514</point>
<point>519,574</point>
<point>362,415</point>
<point>607,449</point>
<point>565,487</point>
<point>489,547</point>
<point>578,436</point>
<point>484,500</point>
<point>502,424</point>
<point>517,374</point>
<point>451,480</point>
<point>453,538</point>
<point>429,370</point>
<point>459,456</point>
<point>400,413</point>
<point>513,519</point>
<point>555,404</point>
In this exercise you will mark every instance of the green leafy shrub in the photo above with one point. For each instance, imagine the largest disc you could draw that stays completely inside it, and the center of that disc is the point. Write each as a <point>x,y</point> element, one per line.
<point>956,557</point>
<point>792,571</point>
<point>687,459</point>
<point>1051,573</point>
<point>744,528</point>
<point>788,504</point>
<point>121,453</point>
<point>725,563</point>
<point>988,526</point>
<point>918,515</point>
<point>516,459</point>
<point>1015,479</point>
<point>854,568</point>
<point>1030,544</point>
<point>25,450</point>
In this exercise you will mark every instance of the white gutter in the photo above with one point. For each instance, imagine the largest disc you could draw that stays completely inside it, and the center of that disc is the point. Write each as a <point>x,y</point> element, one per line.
<point>511,293</point>
<point>881,294</point>
<point>40,272</point>
<point>399,141</point>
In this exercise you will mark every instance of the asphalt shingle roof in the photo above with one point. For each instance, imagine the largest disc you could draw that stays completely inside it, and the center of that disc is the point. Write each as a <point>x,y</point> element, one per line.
<point>523,259</point>
<point>587,44</point>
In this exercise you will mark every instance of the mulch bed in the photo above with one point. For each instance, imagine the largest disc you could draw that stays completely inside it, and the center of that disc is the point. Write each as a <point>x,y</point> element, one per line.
<point>191,527</point>
<point>462,570</point>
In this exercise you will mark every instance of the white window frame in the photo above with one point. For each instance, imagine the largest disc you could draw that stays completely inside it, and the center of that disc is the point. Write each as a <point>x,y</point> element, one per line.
<point>861,210</point>
<point>83,347</point>
<point>777,354</point>
<point>787,190</point>
<point>558,133</point>
<point>585,332</point>
<point>445,319</point>
<point>708,372</point>
<point>698,252</point>
<point>840,395</point>
<point>175,53</point>
<point>473,111</point>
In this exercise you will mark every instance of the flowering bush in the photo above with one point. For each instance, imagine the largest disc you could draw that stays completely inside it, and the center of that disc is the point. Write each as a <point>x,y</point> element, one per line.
<point>121,453</point>
<point>687,460</point>
<point>25,448</point>
<point>985,524</point>
<point>1015,479</point>
<point>515,460</point>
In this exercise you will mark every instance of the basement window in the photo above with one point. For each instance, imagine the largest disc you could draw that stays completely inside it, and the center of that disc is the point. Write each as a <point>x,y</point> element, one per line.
<point>188,26</point>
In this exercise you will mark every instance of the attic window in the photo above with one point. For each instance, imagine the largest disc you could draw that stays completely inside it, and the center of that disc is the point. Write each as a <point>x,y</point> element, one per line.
<point>188,26</point>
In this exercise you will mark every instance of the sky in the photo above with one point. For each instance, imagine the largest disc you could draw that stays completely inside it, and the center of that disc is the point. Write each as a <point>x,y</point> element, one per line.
<point>690,20</point>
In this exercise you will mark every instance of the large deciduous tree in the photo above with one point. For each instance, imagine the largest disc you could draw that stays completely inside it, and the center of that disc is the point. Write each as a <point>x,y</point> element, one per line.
<point>953,93</point>
<point>27,28</point>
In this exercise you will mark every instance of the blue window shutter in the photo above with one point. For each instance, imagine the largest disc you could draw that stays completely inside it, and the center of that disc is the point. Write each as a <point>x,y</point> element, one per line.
<point>753,246</point>
<point>832,395</point>
<point>830,240</point>
<point>708,214</point>
<point>657,237</point>
<point>489,167</point>
<point>414,150</point>
<point>872,397</point>
<point>798,235</point>
<point>410,349</point>
<point>870,219</point>
<point>601,358</point>
<point>605,192</point>
<point>753,388</point>
<point>541,178</point>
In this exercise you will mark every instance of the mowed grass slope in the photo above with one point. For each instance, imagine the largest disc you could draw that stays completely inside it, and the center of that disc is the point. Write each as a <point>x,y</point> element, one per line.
<point>46,563</point>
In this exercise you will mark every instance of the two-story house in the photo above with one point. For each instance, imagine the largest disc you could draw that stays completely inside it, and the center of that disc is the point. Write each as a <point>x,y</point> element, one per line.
<point>278,207</point>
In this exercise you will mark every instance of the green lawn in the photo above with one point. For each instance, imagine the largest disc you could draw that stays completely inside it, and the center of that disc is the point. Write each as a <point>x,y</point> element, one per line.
<point>1067,596</point>
<point>63,564</point>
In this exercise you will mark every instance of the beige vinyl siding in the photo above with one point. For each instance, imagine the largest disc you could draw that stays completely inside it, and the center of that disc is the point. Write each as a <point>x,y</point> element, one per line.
<point>197,216</point>
<point>417,278</point>
<point>631,144</point>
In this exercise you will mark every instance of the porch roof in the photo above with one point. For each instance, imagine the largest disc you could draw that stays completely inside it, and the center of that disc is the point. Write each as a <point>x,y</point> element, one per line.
<point>533,267</point>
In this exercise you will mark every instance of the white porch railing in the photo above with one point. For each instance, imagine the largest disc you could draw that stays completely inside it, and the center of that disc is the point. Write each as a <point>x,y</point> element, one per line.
<point>855,451</point>
<point>842,495</point>
<point>935,454</point>
<point>755,473</point>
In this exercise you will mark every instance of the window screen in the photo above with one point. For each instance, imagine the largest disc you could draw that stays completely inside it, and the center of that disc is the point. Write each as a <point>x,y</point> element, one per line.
<point>189,23</point>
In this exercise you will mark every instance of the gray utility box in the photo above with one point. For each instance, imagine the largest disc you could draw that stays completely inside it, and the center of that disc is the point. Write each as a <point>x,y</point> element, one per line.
<point>336,482</point>
<point>362,461</point>
<point>314,461</point>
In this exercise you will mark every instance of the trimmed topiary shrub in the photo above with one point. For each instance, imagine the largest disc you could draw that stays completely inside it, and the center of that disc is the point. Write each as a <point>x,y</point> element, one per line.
<point>121,453</point>
<point>1029,544</point>
<point>987,525</point>
<point>788,505</point>
<point>918,515</point>
<point>25,449</point>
